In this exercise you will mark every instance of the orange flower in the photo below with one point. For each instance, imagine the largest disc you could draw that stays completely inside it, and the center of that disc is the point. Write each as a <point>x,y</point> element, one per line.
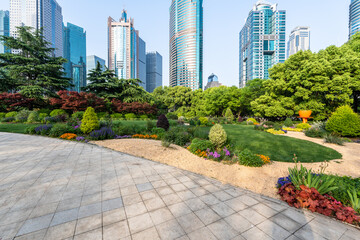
<point>264,158</point>
<point>68,136</point>
<point>147,136</point>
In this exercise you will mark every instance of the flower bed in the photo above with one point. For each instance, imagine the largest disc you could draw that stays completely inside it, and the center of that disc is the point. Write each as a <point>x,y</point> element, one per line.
<point>276,132</point>
<point>293,129</point>
<point>68,136</point>
<point>147,136</point>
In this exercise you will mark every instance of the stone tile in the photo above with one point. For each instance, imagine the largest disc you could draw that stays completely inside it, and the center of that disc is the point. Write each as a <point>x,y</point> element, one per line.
<point>264,210</point>
<point>69,204</point>
<point>190,223</point>
<point>239,223</point>
<point>135,209</point>
<point>222,196</point>
<point>163,191</point>
<point>144,187</point>
<point>199,191</point>
<point>171,199</point>
<point>140,223</point>
<point>116,231</point>
<point>150,233</point>
<point>297,216</point>
<point>61,231</point>
<point>273,230</point>
<point>234,192</point>
<point>91,199</point>
<point>207,215</point>
<point>92,235</point>
<point>89,210</point>
<point>35,224</point>
<point>286,222</point>
<point>171,181</point>
<point>113,216</point>
<point>252,216</point>
<point>88,224</point>
<point>154,203</point>
<point>170,230</point>
<point>256,234</point>
<point>111,204</point>
<point>34,235</point>
<point>65,216</point>
<point>209,199</point>
<point>211,188</point>
<point>222,230</point>
<point>132,199</point>
<point>15,217</point>
<point>179,209</point>
<point>159,184</point>
<point>352,233</point>
<point>222,210</point>
<point>305,234</point>
<point>43,210</point>
<point>161,215</point>
<point>327,228</point>
<point>149,195</point>
<point>236,204</point>
<point>186,195</point>
<point>248,200</point>
<point>190,184</point>
<point>203,233</point>
<point>111,194</point>
<point>178,187</point>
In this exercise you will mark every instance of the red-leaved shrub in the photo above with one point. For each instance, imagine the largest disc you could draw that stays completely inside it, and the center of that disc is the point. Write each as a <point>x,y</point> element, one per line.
<point>134,107</point>
<point>15,101</point>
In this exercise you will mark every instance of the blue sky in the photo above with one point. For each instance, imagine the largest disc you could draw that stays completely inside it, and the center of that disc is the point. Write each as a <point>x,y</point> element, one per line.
<point>223,20</point>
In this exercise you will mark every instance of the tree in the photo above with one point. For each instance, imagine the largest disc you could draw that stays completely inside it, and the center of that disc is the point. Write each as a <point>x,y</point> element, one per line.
<point>34,70</point>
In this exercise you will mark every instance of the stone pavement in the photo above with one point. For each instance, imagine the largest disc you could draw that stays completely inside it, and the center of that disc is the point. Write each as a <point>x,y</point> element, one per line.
<point>54,189</point>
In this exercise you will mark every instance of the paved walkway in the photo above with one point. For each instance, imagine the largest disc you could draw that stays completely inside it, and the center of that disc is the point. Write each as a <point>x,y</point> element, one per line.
<point>52,189</point>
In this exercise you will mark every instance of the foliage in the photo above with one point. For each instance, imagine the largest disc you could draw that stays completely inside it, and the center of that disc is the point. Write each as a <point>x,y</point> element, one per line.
<point>355,201</point>
<point>102,134</point>
<point>333,138</point>
<point>253,120</point>
<point>33,117</point>
<point>57,112</point>
<point>133,107</point>
<point>2,115</point>
<point>292,129</point>
<point>200,132</point>
<point>78,115</point>
<point>42,116</point>
<point>249,159</point>
<point>344,184</point>
<point>165,143</point>
<point>30,130</point>
<point>303,126</point>
<point>217,136</point>
<point>8,119</point>
<point>344,122</point>
<point>22,116</point>
<point>116,115</point>
<point>16,101</point>
<point>172,116</point>
<point>130,116</point>
<point>59,129</point>
<point>163,122</point>
<point>90,121</point>
<point>200,144</point>
<point>315,133</point>
<point>264,158</point>
<point>150,125</point>
<point>43,129</point>
<point>68,136</point>
<point>178,136</point>
<point>204,121</point>
<point>147,136</point>
<point>34,71</point>
<point>144,116</point>
<point>229,115</point>
<point>275,132</point>
<point>11,114</point>
<point>288,122</point>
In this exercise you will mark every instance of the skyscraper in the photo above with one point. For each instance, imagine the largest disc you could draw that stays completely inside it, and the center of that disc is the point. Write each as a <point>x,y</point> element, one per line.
<point>91,62</point>
<point>126,50</point>
<point>75,53</point>
<point>299,40</point>
<point>262,42</point>
<point>213,81</point>
<point>46,14</point>
<point>153,71</point>
<point>354,21</point>
<point>186,43</point>
<point>4,28</point>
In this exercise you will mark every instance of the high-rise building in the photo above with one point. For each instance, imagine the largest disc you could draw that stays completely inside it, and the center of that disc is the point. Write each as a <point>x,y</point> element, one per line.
<point>75,53</point>
<point>354,21</point>
<point>186,43</point>
<point>299,40</point>
<point>153,71</point>
<point>91,62</point>
<point>45,14</point>
<point>4,29</point>
<point>213,81</point>
<point>262,41</point>
<point>126,50</point>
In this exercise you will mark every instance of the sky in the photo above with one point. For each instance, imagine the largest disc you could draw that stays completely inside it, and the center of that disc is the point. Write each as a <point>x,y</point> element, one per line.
<point>223,20</point>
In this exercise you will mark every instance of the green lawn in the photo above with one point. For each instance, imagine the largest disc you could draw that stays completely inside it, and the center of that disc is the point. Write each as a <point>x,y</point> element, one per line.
<point>15,127</point>
<point>279,148</point>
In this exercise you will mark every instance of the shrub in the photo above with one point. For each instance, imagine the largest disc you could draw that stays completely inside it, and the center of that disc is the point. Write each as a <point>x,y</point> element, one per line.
<point>130,116</point>
<point>149,125</point>
<point>303,126</point>
<point>199,132</point>
<point>33,117</point>
<point>163,122</point>
<point>59,129</point>
<point>90,121</point>
<point>30,130</point>
<point>203,121</point>
<point>333,138</point>
<point>288,122</point>
<point>8,119</point>
<point>22,116</point>
<point>165,143</point>
<point>134,107</point>
<point>144,116</point>
<point>43,129</point>
<point>172,116</point>
<point>345,122</point>
<point>78,115</point>
<point>2,115</point>
<point>158,131</point>
<point>249,159</point>
<point>252,120</point>
<point>116,115</point>
<point>199,144</point>
<point>344,184</point>
<point>315,133</point>
<point>259,128</point>
<point>275,132</point>
<point>229,115</point>
<point>178,136</point>
<point>181,120</point>
<point>217,136</point>
<point>240,119</point>
<point>53,119</point>
<point>11,114</point>
<point>44,110</point>
<point>102,134</point>
<point>57,112</point>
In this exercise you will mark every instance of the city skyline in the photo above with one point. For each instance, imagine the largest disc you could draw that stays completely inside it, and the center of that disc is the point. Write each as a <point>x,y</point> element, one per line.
<point>225,61</point>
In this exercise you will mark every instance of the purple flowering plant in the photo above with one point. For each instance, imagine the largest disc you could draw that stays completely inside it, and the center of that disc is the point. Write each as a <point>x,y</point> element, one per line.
<point>219,155</point>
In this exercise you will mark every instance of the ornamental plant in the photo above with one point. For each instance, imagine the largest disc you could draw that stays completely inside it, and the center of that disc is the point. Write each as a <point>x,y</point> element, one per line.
<point>249,159</point>
<point>199,144</point>
<point>203,121</point>
<point>288,122</point>
<point>68,136</point>
<point>303,126</point>
<point>217,136</point>
<point>33,117</point>
<point>163,122</point>
<point>22,116</point>
<point>102,134</point>
<point>90,121</point>
<point>57,112</point>
<point>229,115</point>
<point>345,122</point>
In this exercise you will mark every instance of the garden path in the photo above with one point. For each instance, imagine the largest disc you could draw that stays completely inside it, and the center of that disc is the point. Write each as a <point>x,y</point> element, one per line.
<point>54,189</point>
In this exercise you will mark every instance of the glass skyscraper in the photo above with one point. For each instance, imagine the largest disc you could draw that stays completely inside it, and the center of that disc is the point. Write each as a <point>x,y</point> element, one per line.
<point>262,42</point>
<point>126,50</point>
<point>153,71</point>
<point>46,14</point>
<point>186,43</point>
<point>4,29</point>
<point>299,40</point>
<point>354,21</point>
<point>75,52</point>
<point>91,62</point>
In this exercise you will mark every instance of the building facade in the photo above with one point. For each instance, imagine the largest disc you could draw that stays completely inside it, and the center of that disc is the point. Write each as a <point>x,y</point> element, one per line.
<point>186,43</point>
<point>75,52</point>
<point>354,21</point>
<point>91,62</point>
<point>4,29</point>
<point>153,71</point>
<point>126,50</point>
<point>45,14</point>
<point>299,40</point>
<point>262,42</point>
<point>213,81</point>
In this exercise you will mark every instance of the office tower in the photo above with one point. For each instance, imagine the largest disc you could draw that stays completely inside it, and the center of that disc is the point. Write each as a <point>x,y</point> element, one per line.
<point>213,81</point>
<point>126,50</point>
<point>262,42</point>
<point>354,19</point>
<point>153,71</point>
<point>186,43</point>
<point>45,14</point>
<point>299,40</point>
<point>91,62</point>
<point>75,53</point>
<point>4,29</point>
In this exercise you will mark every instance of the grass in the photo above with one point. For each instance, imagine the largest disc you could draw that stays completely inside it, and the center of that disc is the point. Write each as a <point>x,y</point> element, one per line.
<point>15,127</point>
<point>279,148</point>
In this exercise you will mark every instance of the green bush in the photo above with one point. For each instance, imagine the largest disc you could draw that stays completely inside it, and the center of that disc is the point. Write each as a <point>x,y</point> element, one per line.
<point>130,116</point>
<point>90,121</point>
<point>22,116</point>
<point>59,129</point>
<point>57,112</point>
<point>178,136</point>
<point>2,115</point>
<point>33,117</point>
<point>78,115</point>
<point>288,122</point>
<point>217,136</point>
<point>229,115</point>
<point>333,138</point>
<point>116,115</point>
<point>203,121</point>
<point>200,132</point>
<point>30,130</point>
<point>252,120</point>
<point>101,114</point>
<point>11,114</point>
<point>165,143</point>
<point>249,159</point>
<point>150,125</point>
<point>345,122</point>
<point>344,184</point>
<point>172,116</point>
<point>44,110</point>
<point>303,126</point>
<point>199,144</point>
<point>160,132</point>
<point>144,116</point>
<point>315,133</point>
<point>42,116</point>
<point>259,128</point>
